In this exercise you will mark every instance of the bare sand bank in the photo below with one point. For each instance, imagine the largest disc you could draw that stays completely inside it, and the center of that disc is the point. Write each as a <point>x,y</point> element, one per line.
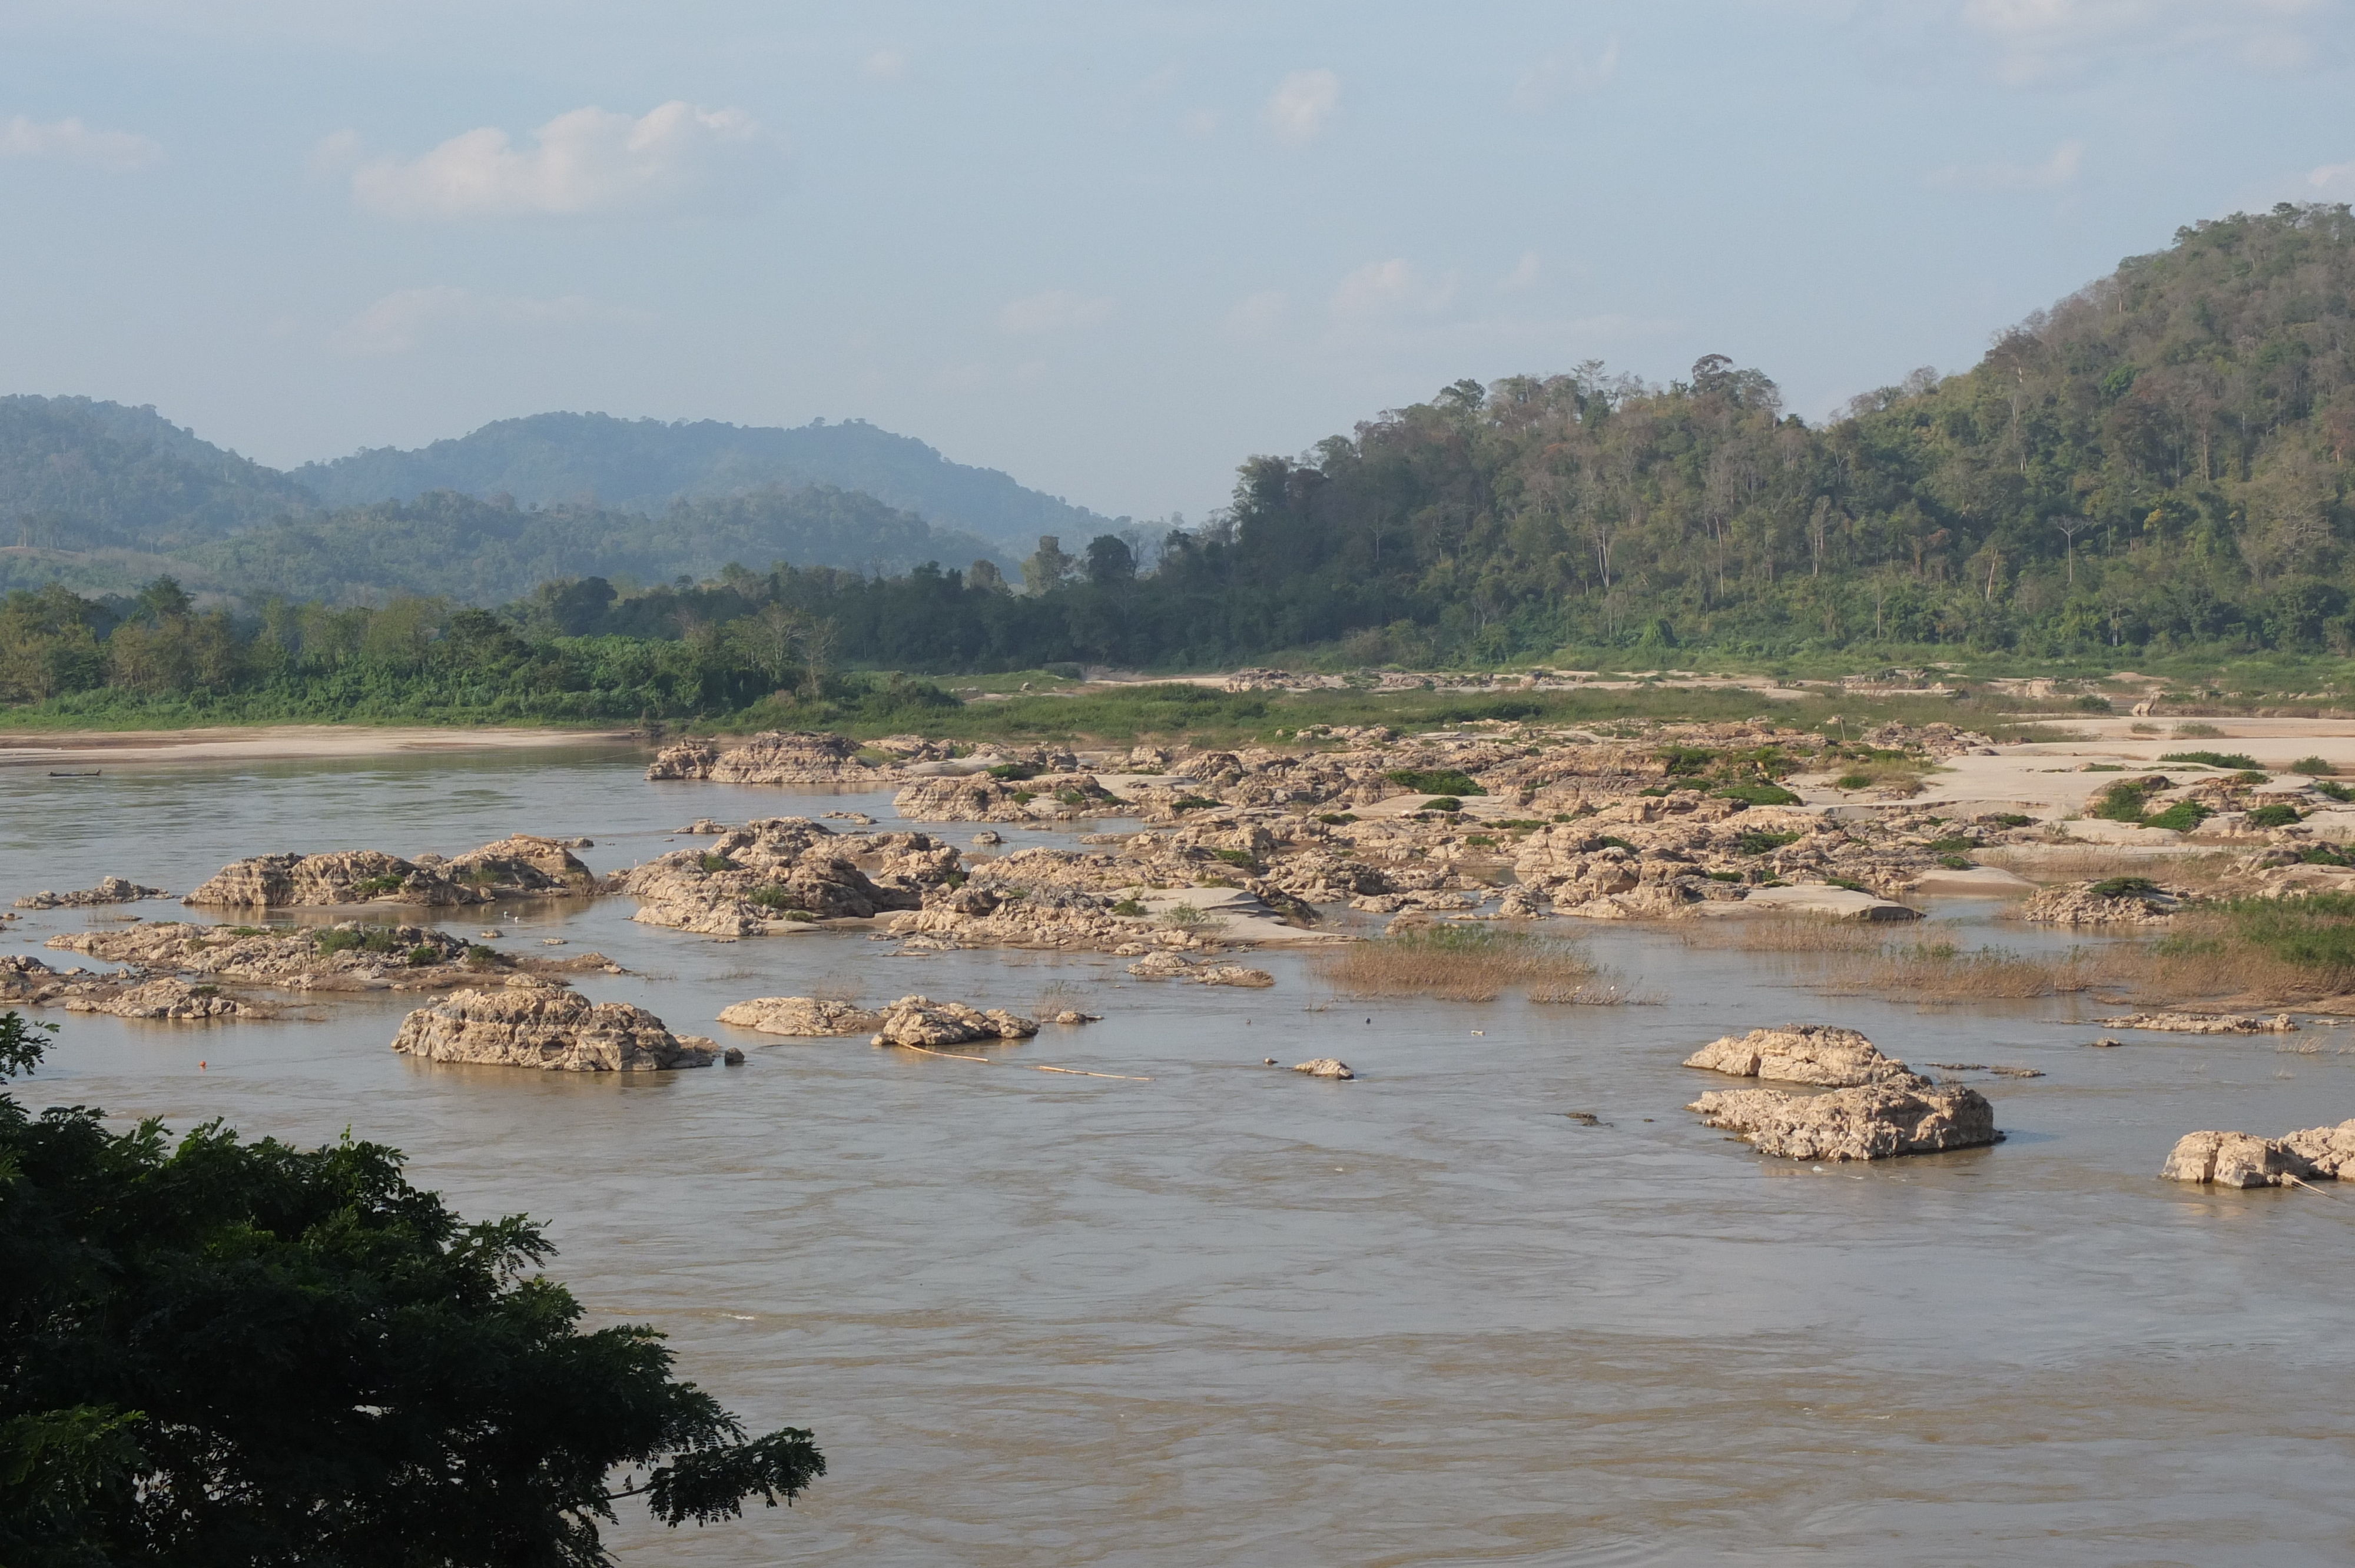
<point>274,743</point>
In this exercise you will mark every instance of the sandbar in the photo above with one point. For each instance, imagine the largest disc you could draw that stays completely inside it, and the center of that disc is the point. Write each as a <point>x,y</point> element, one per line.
<point>277,743</point>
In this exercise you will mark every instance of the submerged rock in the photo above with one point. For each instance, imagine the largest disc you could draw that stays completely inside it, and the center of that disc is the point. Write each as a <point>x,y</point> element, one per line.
<point>529,1023</point>
<point>2243,1160</point>
<point>109,890</point>
<point>1324,1067</point>
<point>802,1017</point>
<point>919,1020</point>
<point>1875,1121</point>
<point>2204,1023</point>
<point>1802,1054</point>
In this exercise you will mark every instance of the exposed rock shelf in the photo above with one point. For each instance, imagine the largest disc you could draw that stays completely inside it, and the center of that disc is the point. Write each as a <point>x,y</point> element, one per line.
<point>109,890</point>
<point>2242,1160</point>
<point>529,1023</point>
<point>522,866</point>
<point>1878,1108</point>
<point>777,757</point>
<point>802,1017</point>
<point>919,1020</point>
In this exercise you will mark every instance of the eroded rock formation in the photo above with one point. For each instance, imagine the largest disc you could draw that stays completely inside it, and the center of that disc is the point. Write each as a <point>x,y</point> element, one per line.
<point>919,1020</point>
<point>2242,1160</point>
<point>803,1016</point>
<point>523,867</point>
<point>1875,1121</point>
<point>109,890</point>
<point>529,1023</point>
<point>777,757</point>
<point>1802,1054</point>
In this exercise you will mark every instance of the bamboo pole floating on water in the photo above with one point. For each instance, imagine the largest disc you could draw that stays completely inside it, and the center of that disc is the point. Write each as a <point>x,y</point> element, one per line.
<point>1034,1067</point>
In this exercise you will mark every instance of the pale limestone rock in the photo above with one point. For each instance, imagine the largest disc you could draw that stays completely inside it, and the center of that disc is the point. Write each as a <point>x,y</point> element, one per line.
<point>2234,1159</point>
<point>919,1020</point>
<point>2076,903</point>
<point>523,867</point>
<point>778,872</point>
<point>2203,1023</point>
<point>1230,974</point>
<point>1160,965</point>
<point>2330,1150</point>
<point>1325,1067</point>
<point>804,1016</point>
<point>109,890</point>
<point>175,999</point>
<point>797,756</point>
<point>1875,1121</point>
<point>530,1024</point>
<point>1802,1054</point>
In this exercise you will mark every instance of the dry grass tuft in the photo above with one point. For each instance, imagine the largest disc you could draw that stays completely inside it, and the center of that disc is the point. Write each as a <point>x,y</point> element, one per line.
<point>1458,963</point>
<point>1940,971</point>
<point>1785,934</point>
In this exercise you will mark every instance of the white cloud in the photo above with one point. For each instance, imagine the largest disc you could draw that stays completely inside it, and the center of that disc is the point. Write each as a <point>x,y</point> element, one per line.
<point>1201,123</point>
<point>2060,169</point>
<point>1052,310</point>
<point>590,160</point>
<point>2038,40</point>
<point>1524,274</point>
<point>399,321</point>
<point>1573,72</point>
<point>2332,179</point>
<point>1257,315</point>
<point>884,64</point>
<point>72,142</point>
<point>1302,104</point>
<point>1388,288</point>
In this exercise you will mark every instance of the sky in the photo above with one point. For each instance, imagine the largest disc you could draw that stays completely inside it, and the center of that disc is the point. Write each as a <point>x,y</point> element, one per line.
<point>1111,248</point>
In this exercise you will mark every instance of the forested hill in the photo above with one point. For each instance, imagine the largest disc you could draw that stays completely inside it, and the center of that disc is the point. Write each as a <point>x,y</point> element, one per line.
<point>445,544</point>
<point>76,474</point>
<point>643,465</point>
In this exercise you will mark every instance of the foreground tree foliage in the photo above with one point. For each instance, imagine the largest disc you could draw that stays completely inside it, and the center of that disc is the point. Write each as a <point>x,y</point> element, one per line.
<point>226,1353</point>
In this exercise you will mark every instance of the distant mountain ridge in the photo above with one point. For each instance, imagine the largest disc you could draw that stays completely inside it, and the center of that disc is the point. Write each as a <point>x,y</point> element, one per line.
<point>102,497</point>
<point>643,465</point>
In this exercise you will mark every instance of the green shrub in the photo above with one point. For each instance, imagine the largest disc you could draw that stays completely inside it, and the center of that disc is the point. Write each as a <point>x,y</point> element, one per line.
<point>1024,797</point>
<point>2123,801</point>
<point>1013,771</point>
<point>803,915</point>
<point>2092,703</point>
<point>2181,818</point>
<point>1843,882</point>
<point>2123,887</point>
<point>1444,803</point>
<point>479,956</point>
<point>333,942</point>
<point>2333,790</point>
<point>1337,819</point>
<point>2276,816</point>
<point>2314,768</point>
<point>1722,875</point>
<point>2010,820</point>
<point>1519,824</point>
<point>1853,781</point>
<point>1759,794</point>
<point>714,861</point>
<point>1435,782</point>
<point>2323,854</point>
<point>423,954</point>
<point>1687,759</point>
<point>371,886</point>
<point>1130,908</point>
<point>1957,862</point>
<point>1610,842</point>
<point>2196,730</point>
<point>1192,803</point>
<point>1243,858</point>
<point>1954,846</point>
<point>1759,843</point>
<point>2251,777</point>
<point>776,897</point>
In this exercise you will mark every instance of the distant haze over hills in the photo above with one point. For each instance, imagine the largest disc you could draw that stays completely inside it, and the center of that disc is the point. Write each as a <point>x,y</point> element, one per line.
<point>102,497</point>
<point>643,465</point>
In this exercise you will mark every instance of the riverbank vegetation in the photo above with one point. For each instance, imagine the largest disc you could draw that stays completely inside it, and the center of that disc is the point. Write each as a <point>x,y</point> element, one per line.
<point>2156,470</point>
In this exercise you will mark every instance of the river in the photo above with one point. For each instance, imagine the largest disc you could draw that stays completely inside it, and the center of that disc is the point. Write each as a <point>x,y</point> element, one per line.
<point>1234,1315</point>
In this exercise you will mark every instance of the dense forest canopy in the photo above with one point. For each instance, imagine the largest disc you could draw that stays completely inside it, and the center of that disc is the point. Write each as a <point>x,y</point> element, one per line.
<point>2159,462</point>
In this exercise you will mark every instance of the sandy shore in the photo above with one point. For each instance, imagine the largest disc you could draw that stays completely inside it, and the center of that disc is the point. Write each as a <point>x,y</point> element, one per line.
<point>262,743</point>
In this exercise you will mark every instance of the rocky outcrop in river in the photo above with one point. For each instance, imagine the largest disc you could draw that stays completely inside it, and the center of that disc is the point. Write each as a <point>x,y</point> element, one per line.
<point>781,872</point>
<point>2241,1160</point>
<point>800,1016</point>
<point>529,1023</point>
<point>346,956</point>
<point>919,1020</point>
<point>1876,1121</point>
<point>2203,1023</point>
<point>523,867</point>
<point>1802,1054</point>
<point>109,890</point>
<point>978,798</point>
<point>2120,901</point>
<point>172,1000</point>
<point>789,757</point>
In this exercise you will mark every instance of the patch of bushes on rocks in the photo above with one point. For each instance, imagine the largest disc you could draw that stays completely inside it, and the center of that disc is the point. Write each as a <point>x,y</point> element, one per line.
<point>1435,782</point>
<point>2274,816</point>
<point>2237,760</point>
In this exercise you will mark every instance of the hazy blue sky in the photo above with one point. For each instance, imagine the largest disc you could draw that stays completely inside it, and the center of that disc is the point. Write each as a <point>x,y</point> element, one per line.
<point>1111,248</point>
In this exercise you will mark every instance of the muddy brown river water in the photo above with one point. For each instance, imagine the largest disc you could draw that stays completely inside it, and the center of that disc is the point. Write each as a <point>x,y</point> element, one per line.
<point>1233,1315</point>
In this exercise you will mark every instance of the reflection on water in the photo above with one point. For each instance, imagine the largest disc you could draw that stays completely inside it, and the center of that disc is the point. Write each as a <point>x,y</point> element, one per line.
<point>1238,1316</point>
